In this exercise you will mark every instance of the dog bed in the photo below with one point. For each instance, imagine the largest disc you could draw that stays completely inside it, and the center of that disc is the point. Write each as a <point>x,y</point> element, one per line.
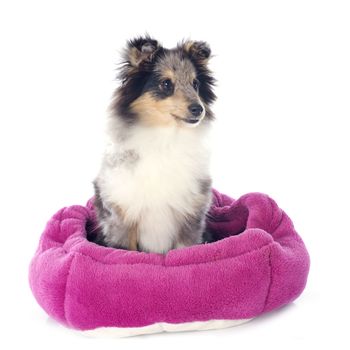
<point>257,263</point>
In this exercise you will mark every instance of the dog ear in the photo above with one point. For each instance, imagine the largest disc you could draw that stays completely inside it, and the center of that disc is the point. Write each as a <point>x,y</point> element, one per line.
<point>198,51</point>
<point>141,50</point>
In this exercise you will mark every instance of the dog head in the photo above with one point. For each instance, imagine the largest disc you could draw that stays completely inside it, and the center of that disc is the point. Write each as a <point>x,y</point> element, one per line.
<point>162,86</point>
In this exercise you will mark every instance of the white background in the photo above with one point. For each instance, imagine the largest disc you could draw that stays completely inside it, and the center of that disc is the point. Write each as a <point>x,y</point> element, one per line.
<point>282,128</point>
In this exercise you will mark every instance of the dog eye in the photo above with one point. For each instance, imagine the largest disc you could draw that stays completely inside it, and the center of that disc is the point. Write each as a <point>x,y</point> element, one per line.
<point>195,84</point>
<point>167,85</point>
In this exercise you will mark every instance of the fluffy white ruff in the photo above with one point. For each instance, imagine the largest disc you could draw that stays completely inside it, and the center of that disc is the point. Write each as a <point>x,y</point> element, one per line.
<point>163,180</point>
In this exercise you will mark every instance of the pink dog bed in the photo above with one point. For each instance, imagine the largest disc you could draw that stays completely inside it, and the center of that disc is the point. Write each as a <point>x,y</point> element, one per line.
<point>258,263</point>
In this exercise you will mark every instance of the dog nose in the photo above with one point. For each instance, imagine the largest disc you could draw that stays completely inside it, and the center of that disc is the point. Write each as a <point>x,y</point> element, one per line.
<point>195,109</point>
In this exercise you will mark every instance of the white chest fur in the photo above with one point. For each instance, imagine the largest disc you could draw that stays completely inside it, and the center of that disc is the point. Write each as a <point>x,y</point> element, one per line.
<point>153,174</point>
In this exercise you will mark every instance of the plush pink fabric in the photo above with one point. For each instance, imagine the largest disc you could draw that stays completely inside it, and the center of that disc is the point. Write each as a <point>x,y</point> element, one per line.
<point>258,264</point>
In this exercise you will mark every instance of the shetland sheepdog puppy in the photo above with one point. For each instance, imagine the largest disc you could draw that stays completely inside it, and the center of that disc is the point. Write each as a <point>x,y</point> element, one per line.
<point>153,189</point>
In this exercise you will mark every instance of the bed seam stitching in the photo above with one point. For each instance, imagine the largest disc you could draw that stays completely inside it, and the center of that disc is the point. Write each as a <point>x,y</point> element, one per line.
<point>270,281</point>
<point>65,290</point>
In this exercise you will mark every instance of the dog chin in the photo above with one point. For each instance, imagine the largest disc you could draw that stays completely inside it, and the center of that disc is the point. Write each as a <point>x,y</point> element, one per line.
<point>189,122</point>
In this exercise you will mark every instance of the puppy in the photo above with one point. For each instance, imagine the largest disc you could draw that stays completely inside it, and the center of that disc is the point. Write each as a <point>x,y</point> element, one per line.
<point>154,188</point>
